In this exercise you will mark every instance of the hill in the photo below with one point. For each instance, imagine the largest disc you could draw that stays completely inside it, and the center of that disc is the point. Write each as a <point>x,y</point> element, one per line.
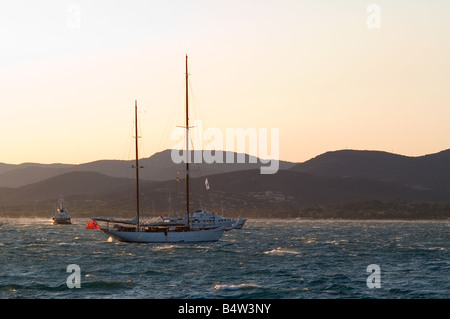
<point>429,172</point>
<point>316,187</point>
<point>74,183</point>
<point>158,167</point>
<point>246,193</point>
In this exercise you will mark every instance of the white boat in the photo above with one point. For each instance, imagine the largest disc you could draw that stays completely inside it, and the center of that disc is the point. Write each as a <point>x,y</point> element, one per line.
<point>202,219</point>
<point>134,231</point>
<point>61,216</point>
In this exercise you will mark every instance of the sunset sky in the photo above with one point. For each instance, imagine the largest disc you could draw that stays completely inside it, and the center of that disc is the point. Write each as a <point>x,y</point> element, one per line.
<point>70,72</point>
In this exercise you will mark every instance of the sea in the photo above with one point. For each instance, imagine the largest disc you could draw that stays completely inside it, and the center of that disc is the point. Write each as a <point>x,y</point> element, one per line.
<point>266,259</point>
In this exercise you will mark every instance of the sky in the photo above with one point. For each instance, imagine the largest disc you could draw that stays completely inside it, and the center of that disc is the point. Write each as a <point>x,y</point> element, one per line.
<point>329,75</point>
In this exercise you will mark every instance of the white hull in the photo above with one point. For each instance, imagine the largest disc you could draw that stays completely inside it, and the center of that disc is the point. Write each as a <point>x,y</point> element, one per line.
<point>61,222</point>
<point>61,218</point>
<point>204,235</point>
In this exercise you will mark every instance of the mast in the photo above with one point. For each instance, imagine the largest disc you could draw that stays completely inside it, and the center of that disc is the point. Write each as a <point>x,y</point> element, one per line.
<point>137,165</point>
<point>187,142</point>
<point>61,202</point>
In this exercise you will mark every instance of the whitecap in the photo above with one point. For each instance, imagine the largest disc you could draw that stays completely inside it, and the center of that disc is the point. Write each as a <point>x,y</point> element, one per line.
<point>236,287</point>
<point>164,247</point>
<point>281,251</point>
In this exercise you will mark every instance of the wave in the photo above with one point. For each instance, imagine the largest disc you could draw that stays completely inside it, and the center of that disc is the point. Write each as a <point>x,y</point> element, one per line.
<point>14,288</point>
<point>272,261</point>
<point>281,251</point>
<point>236,287</point>
<point>108,285</point>
<point>163,247</point>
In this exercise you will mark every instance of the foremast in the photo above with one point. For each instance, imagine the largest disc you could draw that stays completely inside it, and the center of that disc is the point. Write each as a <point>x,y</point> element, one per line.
<point>137,165</point>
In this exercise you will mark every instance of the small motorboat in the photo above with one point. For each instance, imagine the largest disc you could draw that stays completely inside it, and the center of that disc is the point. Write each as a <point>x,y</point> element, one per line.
<point>61,216</point>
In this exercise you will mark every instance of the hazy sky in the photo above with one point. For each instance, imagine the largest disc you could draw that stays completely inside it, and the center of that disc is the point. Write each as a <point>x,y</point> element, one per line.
<point>320,71</point>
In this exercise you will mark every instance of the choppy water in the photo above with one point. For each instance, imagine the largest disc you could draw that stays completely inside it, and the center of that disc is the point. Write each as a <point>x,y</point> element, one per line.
<point>279,259</point>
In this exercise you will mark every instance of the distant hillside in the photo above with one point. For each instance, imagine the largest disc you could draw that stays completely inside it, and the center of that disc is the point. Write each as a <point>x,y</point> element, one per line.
<point>69,184</point>
<point>245,193</point>
<point>296,189</point>
<point>318,187</point>
<point>158,167</point>
<point>23,174</point>
<point>6,167</point>
<point>429,172</point>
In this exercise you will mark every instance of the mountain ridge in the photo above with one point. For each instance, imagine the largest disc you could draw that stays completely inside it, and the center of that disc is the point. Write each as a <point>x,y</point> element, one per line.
<point>431,171</point>
<point>159,167</point>
<point>328,179</point>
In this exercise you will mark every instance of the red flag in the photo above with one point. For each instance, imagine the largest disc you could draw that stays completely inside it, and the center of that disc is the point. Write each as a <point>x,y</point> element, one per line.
<point>92,225</point>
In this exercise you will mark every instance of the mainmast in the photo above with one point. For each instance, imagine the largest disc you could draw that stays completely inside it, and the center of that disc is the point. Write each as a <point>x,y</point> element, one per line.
<point>187,142</point>
<point>137,165</point>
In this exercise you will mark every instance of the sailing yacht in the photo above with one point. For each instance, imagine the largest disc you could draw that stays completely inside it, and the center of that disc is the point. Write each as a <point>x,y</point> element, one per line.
<point>134,231</point>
